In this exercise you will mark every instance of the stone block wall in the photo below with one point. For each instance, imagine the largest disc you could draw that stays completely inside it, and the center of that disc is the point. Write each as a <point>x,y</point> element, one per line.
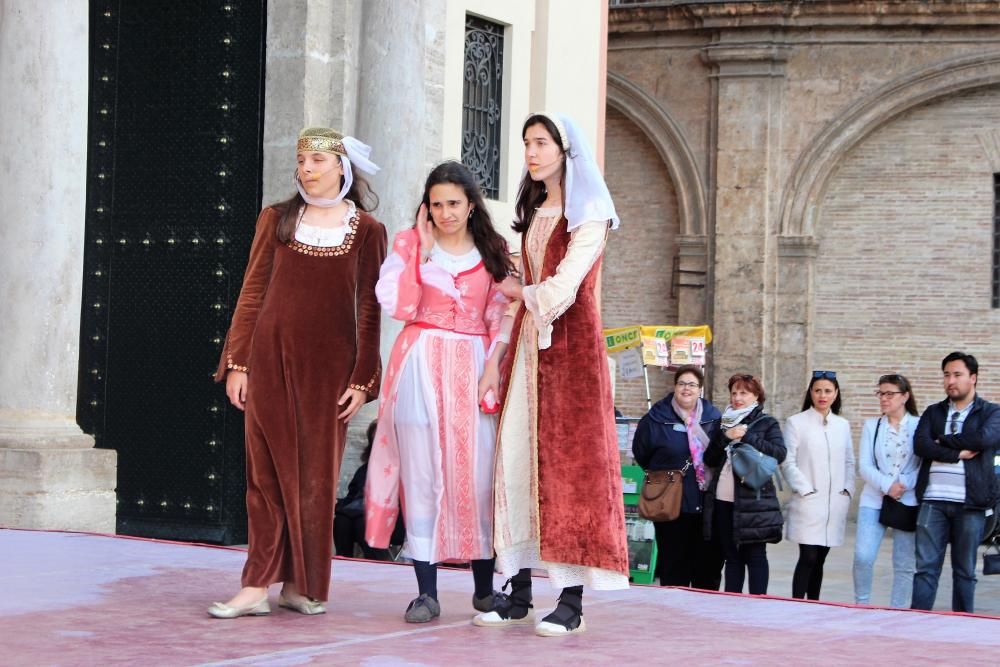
<point>638,285</point>
<point>903,270</point>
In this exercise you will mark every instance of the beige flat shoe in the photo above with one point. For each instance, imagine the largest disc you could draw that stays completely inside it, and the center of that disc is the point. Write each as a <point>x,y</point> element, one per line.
<point>304,605</point>
<point>220,610</point>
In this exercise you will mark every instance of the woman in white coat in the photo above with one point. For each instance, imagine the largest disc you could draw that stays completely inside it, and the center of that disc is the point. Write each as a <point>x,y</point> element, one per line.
<point>820,469</point>
<point>889,467</point>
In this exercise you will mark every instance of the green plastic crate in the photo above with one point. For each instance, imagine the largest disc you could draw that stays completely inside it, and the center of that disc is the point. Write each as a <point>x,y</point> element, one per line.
<point>642,551</point>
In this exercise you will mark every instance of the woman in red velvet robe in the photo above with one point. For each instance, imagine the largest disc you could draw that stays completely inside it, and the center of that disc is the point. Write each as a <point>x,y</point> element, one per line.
<point>301,357</point>
<point>557,484</point>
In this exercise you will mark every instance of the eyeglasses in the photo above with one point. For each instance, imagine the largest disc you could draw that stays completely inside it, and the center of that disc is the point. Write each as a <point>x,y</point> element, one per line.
<point>887,394</point>
<point>688,385</point>
<point>826,375</point>
<point>953,426</point>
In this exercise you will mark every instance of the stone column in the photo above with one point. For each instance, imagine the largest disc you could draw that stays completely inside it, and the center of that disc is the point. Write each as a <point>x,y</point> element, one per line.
<point>749,88</point>
<point>311,79</point>
<point>51,476</point>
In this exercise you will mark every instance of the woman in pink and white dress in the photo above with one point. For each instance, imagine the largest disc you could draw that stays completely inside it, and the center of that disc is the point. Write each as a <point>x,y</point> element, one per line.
<point>436,435</point>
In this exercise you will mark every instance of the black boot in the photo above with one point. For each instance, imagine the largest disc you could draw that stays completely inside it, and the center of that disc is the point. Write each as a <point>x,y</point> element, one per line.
<point>567,617</point>
<point>513,609</point>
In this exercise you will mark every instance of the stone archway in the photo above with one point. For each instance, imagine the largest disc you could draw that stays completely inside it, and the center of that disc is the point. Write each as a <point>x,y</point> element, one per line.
<point>807,185</point>
<point>668,138</point>
<point>810,175</point>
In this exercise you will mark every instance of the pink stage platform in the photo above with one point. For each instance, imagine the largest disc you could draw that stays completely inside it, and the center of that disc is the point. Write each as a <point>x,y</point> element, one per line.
<point>78,599</point>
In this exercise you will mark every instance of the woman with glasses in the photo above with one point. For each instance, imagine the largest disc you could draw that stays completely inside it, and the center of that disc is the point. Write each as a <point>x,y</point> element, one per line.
<point>889,468</point>
<point>820,469</point>
<point>741,519</point>
<point>675,433</point>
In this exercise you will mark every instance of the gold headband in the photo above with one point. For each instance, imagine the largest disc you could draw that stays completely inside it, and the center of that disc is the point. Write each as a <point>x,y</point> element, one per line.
<point>321,144</point>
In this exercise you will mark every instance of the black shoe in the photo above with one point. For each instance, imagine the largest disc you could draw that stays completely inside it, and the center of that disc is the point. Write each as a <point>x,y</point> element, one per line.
<point>513,609</point>
<point>565,619</point>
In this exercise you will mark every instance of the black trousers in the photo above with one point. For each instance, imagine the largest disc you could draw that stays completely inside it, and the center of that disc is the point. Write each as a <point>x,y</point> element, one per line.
<point>684,557</point>
<point>348,531</point>
<point>739,559</point>
<point>808,577</point>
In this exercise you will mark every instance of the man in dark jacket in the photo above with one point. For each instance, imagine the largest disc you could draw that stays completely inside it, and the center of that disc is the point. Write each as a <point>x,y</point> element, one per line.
<point>957,439</point>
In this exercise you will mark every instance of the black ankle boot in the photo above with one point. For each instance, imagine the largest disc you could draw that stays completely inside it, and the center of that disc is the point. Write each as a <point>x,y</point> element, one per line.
<point>510,609</point>
<point>567,617</point>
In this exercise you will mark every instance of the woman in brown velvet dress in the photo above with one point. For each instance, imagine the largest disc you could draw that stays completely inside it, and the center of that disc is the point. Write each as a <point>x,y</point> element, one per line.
<point>557,482</point>
<point>301,358</point>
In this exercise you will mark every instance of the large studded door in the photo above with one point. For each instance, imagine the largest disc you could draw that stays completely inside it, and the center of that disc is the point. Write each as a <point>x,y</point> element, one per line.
<point>174,185</point>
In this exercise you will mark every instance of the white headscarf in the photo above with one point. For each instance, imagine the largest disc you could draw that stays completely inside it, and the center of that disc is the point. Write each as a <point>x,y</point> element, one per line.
<point>586,193</point>
<point>357,152</point>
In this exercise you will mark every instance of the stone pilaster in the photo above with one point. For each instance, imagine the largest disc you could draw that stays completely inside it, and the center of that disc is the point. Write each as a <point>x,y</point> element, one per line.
<point>748,91</point>
<point>792,344</point>
<point>50,474</point>
<point>692,269</point>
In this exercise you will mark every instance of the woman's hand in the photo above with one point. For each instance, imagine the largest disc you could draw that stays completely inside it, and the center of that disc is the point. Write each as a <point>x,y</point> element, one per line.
<point>490,380</point>
<point>736,432</point>
<point>896,491</point>
<point>236,388</point>
<point>425,230</point>
<point>354,398</point>
<point>511,288</point>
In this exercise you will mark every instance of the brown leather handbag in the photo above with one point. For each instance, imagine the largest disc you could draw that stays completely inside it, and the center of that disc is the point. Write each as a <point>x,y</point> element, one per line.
<point>662,490</point>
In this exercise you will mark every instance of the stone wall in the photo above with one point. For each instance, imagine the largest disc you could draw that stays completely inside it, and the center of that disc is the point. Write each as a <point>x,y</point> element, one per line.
<point>905,249</point>
<point>793,117</point>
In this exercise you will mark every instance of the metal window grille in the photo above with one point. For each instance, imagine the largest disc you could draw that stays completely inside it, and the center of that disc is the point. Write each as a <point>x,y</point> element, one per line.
<point>996,241</point>
<point>482,102</point>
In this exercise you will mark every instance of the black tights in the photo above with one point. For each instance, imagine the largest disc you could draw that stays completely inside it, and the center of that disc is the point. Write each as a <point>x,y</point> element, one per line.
<point>482,576</point>
<point>808,577</point>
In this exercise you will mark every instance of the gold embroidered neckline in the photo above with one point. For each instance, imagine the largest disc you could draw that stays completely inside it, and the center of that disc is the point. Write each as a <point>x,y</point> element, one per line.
<point>329,251</point>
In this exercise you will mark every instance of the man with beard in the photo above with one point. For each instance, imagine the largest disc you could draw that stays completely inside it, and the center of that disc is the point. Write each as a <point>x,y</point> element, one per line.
<point>957,439</point>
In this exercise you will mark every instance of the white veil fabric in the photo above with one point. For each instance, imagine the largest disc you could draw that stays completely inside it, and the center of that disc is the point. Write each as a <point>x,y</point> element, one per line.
<point>586,193</point>
<point>357,152</point>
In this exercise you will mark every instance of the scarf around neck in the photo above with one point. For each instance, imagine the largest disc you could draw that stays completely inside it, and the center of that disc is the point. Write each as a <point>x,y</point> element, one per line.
<point>733,416</point>
<point>697,438</point>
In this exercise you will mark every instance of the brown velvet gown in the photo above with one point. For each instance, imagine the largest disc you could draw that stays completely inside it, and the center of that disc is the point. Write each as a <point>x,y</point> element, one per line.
<point>306,327</point>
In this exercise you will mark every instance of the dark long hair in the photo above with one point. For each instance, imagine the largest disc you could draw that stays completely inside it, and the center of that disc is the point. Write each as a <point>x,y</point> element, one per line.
<point>808,401</point>
<point>531,193</point>
<point>902,384</point>
<point>491,246</point>
<point>360,193</point>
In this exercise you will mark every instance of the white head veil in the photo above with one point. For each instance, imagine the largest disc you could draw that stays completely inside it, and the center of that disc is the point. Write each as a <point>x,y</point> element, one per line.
<point>357,152</point>
<point>586,193</point>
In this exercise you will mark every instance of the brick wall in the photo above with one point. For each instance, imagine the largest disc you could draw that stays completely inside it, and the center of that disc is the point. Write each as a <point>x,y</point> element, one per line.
<point>903,272</point>
<point>640,258</point>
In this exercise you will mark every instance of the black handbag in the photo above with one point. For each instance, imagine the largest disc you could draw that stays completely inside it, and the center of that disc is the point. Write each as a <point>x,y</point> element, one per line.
<point>991,562</point>
<point>894,514</point>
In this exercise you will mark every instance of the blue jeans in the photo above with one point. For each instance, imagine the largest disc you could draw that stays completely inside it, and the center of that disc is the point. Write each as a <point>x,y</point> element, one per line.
<point>866,545</point>
<point>938,525</point>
